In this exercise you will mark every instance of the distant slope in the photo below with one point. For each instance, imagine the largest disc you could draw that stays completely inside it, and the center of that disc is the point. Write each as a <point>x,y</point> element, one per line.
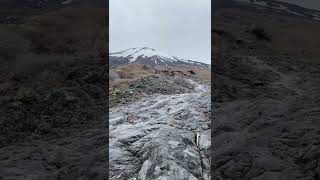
<point>285,7</point>
<point>149,56</point>
<point>13,11</point>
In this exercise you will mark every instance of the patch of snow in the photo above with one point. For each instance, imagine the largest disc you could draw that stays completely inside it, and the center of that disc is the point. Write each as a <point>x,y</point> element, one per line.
<point>316,18</point>
<point>309,4</point>
<point>135,53</point>
<point>261,3</point>
<point>66,2</point>
<point>280,6</point>
<point>264,4</point>
<point>293,12</point>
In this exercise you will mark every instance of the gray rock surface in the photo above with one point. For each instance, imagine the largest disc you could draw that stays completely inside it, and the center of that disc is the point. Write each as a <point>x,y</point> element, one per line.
<point>155,138</point>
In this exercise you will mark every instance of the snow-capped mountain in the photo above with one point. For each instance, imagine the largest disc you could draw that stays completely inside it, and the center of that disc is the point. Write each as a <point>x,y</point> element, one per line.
<point>284,6</point>
<point>149,56</point>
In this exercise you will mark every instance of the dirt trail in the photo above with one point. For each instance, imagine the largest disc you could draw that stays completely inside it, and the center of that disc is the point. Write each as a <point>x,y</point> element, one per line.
<point>155,137</point>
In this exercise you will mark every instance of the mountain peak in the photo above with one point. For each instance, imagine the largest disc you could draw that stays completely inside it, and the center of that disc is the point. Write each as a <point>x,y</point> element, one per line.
<point>142,52</point>
<point>149,56</point>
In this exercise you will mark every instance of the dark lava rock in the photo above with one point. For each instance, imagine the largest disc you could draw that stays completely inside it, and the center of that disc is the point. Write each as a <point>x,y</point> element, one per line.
<point>265,119</point>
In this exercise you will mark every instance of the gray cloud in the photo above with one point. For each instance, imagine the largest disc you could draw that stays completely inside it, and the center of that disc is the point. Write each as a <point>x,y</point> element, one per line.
<point>177,27</point>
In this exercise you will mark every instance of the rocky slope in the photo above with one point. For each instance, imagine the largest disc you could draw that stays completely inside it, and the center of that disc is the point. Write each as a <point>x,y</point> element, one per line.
<point>18,11</point>
<point>147,86</point>
<point>285,6</point>
<point>154,138</point>
<point>265,123</point>
<point>266,94</point>
<point>59,133</point>
<point>53,98</point>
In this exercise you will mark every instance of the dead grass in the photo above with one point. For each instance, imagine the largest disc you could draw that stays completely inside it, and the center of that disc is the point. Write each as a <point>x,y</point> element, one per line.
<point>121,76</point>
<point>203,75</point>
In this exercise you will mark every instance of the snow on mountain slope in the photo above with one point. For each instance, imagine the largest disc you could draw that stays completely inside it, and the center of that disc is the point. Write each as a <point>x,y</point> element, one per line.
<point>149,56</point>
<point>135,53</point>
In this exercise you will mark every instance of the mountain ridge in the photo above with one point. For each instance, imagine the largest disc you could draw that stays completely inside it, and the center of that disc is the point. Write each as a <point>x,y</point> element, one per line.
<point>284,7</point>
<point>149,56</point>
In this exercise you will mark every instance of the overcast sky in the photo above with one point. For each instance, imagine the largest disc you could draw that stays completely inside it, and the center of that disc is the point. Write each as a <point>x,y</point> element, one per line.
<point>179,28</point>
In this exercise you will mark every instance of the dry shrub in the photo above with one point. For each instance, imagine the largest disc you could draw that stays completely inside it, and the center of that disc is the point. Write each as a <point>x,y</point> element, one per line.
<point>132,71</point>
<point>121,76</point>
<point>113,75</point>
